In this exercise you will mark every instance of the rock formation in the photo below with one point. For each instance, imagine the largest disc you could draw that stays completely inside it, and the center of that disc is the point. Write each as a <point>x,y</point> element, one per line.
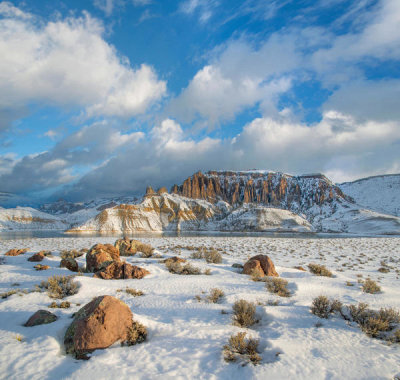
<point>16,252</point>
<point>261,265</point>
<point>100,255</point>
<point>118,270</point>
<point>70,264</point>
<point>37,257</point>
<point>41,317</point>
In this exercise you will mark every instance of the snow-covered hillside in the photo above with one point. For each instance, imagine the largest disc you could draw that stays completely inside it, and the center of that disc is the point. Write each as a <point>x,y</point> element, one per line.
<point>379,193</point>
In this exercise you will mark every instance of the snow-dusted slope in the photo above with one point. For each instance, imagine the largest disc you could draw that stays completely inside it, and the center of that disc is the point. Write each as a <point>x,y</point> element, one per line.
<point>26,218</point>
<point>380,193</point>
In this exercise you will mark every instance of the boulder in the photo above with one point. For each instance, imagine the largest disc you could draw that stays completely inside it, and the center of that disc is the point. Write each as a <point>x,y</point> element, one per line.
<point>41,267</point>
<point>41,317</point>
<point>70,264</point>
<point>37,257</point>
<point>100,255</point>
<point>121,271</point>
<point>97,325</point>
<point>261,265</point>
<point>16,252</point>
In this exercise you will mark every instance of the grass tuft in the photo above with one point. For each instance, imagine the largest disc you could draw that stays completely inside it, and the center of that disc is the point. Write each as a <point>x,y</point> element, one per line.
<point>240,348</point>
<point>244,313</point>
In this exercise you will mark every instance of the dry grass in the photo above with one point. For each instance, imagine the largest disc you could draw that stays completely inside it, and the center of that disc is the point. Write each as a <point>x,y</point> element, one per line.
<point>216,295</point>
<point>240,348</point>
<point>210,255</point>
<point>60,286</point>
<point>277,286</point>
<point>136,334</point>
<point>61,305</point>
<point>244,313</point>
<point>134,292</point>
<point>72,254</point>
<point>370,286</point>
<point>320,270</point>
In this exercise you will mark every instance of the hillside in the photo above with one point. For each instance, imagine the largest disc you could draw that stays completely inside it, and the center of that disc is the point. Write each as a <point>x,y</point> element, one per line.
<point>379,193</point>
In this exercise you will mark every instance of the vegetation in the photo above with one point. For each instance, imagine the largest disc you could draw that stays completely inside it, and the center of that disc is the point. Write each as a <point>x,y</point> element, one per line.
<point>320,270</point>
<point>370,286</point>
<point>277,286</point>
<point>60,286</point>
<point>136,334</point>
<point>240,348</point>
<point>244,313</point>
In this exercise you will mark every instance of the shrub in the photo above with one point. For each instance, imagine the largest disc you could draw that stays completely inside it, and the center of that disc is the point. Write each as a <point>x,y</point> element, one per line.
<point>134,292</point>
<point>278,286</point>
<point>62,305</point>
<point>239,347</point>
<point>320,270</point>
<point>213,256</point>
<point>136,334</point>
<point>384,270</point>
<point>216,295</point>
<point>60,286</point>
<point>197,254</point>
<point>72,254</point>
<point>244,313</point>
<point>322,306</point>
<point>178,268</point>
<point>370,286</point>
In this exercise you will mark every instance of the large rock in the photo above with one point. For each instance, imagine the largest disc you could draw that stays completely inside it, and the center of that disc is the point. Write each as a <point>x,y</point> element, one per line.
<point>41,317</point>
<point>128,247</point>
<point>70,264</point>
<point>37,257</point>
<point>97,325</point>
<point>101,255</point>
<point>16,252</point>
<point>121,271</point>
<point>261,265</point>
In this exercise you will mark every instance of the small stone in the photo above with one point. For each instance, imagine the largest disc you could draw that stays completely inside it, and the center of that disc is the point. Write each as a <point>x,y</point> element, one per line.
<point>41,317</point>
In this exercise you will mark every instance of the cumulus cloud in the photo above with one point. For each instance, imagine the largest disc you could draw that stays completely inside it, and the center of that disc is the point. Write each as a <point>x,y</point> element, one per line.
<point>67,63</point>
<point>239,77</point>
<point>338,146</point>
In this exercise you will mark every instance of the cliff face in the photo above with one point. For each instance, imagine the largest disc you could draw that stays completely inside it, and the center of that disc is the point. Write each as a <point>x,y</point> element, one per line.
<point>296,193</point>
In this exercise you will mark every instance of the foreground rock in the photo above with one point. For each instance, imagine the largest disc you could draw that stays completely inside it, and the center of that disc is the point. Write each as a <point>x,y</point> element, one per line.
<point>128,247</point>
<point>121,271</point>
<point>99,324</point>
<point>174,259</point>
<point>41,317</point>
<point>16,252</point>
<point>37,257</point>
<point>261,265</point>
<point>70,264</point>
<point>101,255</point>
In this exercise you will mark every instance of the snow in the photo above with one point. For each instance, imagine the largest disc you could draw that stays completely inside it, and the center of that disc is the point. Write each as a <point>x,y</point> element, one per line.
<point>185,336</point>
<point>380,193</point>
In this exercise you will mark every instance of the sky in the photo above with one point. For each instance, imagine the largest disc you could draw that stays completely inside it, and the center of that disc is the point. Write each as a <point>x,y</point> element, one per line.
<point>102,98</point>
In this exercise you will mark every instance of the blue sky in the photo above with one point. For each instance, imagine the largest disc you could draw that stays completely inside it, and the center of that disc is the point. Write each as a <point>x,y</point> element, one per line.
<point>104,97</point>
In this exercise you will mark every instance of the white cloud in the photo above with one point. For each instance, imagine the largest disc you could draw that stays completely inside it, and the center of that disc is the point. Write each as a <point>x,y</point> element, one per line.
<point>204,8</point>
<point>68,63</point>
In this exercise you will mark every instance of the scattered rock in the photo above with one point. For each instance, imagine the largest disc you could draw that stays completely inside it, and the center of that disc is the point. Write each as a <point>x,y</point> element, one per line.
<point>97,325</point>
<point>41,317</point>
<point>101,255</point>
<point>46,253</point>
<point>120,271</point>
<point>237,266</point>
<point>174,259</point>
<point>41,267</point>
<point>261,265</point>
<point>37,257</point>
<point>16,252</point>
<point>300,268</point>
<point>70,264</point>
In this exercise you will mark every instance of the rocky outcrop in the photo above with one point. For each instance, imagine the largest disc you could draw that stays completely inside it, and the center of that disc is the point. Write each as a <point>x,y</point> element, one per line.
<point>37,257</point>
<point>70,264</point>
<point>99,324</point>
<point>16,252</point>
<point>269,188</point>
<point>41,317</point>
<point>121,271</point>
<point>101,255</point>
<point>260,265</point>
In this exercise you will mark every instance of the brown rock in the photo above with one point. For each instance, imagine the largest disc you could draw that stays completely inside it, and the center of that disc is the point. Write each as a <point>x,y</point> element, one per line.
<point>128,247</point>
<point>37,257</point>
<point>100,255</point>
<point>41,317</point>
<point>162,190</point>
<point>70,264</point>
<point>97,325</point>
<point>121,271</point>
<point>41,267</point>
<point>260,264</point>
<point>16,252</point>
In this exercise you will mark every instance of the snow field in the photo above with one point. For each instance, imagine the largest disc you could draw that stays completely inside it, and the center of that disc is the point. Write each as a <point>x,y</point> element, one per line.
<point>186,337</point>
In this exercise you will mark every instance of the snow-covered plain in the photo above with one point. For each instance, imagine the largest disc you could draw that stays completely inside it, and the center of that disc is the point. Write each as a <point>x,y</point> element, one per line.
<point>186,337</point>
